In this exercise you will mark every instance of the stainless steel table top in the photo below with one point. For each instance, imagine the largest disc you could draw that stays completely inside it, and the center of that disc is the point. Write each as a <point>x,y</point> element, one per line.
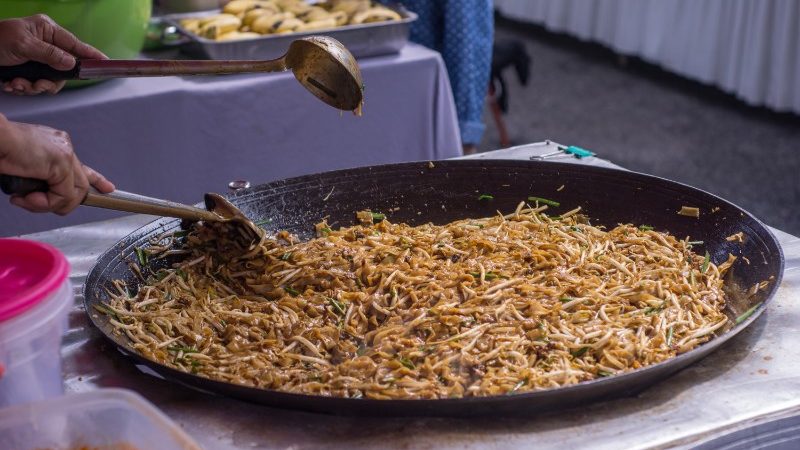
<point>752,378</point>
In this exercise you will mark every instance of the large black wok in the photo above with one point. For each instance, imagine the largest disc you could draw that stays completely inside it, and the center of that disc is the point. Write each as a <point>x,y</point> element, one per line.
<point>449,190</point>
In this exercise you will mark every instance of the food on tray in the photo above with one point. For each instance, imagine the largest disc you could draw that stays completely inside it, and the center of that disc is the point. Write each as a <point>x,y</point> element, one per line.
<point>476,307</point>
<point>246,19</point>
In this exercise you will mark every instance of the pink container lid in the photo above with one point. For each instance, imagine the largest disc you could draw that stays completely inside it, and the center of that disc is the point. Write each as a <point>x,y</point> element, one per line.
<point>30,272</point>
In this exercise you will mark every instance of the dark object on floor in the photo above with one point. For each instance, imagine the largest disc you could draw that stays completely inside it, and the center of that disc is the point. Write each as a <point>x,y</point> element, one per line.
<point>506,53</point>
<point>449,190</point>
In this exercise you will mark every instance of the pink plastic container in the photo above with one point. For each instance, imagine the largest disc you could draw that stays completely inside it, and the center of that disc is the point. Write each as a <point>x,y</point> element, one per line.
<point>35,297</point>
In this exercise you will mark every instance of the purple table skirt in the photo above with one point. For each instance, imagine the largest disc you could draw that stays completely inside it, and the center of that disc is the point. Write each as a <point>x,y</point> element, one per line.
<point>178,138</point>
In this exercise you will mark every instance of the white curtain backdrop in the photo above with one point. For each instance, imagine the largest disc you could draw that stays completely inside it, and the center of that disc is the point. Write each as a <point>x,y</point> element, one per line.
<point>750,48</point>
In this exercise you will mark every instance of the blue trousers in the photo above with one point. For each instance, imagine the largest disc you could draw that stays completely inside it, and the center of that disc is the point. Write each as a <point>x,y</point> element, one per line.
<point>463,32</point>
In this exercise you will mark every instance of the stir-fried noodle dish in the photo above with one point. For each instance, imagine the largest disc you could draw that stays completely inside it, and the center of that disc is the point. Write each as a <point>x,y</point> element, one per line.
<point>476,307</point>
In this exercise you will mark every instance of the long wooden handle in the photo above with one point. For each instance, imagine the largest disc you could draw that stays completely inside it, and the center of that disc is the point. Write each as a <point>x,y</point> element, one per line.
<point>117,200</point>
<point>89,69</point>
<point>140,204</point>
<point>117,68</point>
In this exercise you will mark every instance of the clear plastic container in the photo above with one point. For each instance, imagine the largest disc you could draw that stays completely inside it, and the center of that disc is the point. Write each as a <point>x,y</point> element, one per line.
<point>105,419</point>
<point>35,299</point>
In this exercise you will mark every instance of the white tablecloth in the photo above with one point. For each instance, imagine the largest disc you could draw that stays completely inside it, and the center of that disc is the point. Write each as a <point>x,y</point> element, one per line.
<point>178,138</point>
<point>750,48</point>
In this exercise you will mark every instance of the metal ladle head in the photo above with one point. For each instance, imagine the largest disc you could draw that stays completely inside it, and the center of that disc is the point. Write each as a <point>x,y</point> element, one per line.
<point>328,70</point>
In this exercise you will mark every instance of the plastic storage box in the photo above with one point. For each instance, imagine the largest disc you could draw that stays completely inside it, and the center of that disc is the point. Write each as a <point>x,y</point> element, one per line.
<point>35,298</point>
<point>105,419</point>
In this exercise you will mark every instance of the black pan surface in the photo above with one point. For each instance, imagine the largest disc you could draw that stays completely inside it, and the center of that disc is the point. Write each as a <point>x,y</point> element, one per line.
<point>448,190</point>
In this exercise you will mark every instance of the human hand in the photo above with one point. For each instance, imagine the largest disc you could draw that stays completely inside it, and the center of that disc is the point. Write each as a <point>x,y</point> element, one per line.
<point>39,38</point>
<point>40,152</point>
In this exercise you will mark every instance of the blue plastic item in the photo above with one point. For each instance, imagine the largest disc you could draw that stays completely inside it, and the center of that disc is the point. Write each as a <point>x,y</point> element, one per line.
<point>578,152</point>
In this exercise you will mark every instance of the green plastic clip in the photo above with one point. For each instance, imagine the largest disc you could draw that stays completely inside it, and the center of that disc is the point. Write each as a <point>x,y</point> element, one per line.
<point>579,152</point>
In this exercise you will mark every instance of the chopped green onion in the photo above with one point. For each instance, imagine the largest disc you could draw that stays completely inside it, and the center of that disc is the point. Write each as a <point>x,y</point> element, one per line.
<point>579,352</point>
<point>407,363</point>
<point>178,348</point>
<point>286,256</point>
<point>326,230</point>
<point>485,197</point>
<point>107,311</point>
<point>645,228</point>
<point>377,217</point>
<point>161,274</point>
<point>669,336</point>
<point>181,274</point>
<point>293,292</point>
<point>603,373</point>
<point>339,307</point>
<point>488,276</point>
<point>362,349</point>
<point>142,256</point>
<point>544,201</point>
<point>566,299</point>
<point>748,313</point>
<point>651,310</point>
<point>575,229</point>
<point>180,234</point>
<point>704,267</point>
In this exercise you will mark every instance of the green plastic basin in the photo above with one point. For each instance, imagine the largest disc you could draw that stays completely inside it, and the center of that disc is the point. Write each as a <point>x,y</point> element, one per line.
<point>115,27</point>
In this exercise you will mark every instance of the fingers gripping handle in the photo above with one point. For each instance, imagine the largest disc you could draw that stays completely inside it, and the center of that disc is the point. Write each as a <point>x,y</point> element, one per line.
<point>117,200</point>
<point>13,185</point>
<point>33,71</point>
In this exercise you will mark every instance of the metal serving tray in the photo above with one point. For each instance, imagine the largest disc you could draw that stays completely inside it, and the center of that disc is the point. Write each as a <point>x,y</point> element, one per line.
<point>371,39</point>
